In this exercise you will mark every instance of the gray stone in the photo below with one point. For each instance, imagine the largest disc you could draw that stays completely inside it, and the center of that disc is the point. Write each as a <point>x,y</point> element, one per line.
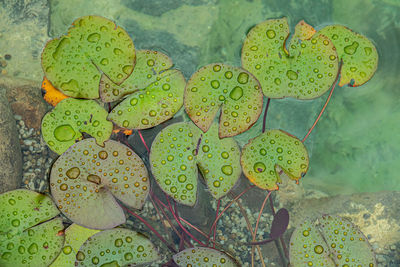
<point>10,151</point>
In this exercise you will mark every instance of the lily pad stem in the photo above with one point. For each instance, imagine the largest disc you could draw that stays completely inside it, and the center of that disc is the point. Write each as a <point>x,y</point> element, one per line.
<point>265,115</point>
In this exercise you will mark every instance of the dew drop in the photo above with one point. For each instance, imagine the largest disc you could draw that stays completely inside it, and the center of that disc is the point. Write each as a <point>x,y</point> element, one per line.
<point>150,63</point>
<point>216,183</point>
<point>127,69</point>
<point>104,61</point>
<point>145,121</point>
<point>182,178</point>
<point>351,49</point>
<point>259,167</point>
<point>118,242</point>
<point>215,84</point>
<point>236,93</point>
<point>243,78</point>
<point>73,173</point>
<point>166,86</point>
<point>263,152</point>
<point>170,158</point>
<point>205,148</point>
<point>133,101</point>
<point>152,113</point>
<point>318,249</point>
<point>11,201</point>
<point>368,50</point>
<point>128,256</point>
<point>125,123</point>
<point>117,51</point>
<point>306,233</point>
<point>227,169</point>
<point>217,68</point>
<point>95,260</point>
<point>80,256</point>
<point>67,250</point>
<point>94,37</point>
<point>64,133</point>
<point>277,81</point>
<point>94,179</point>
<point>228,74</point>
<point>271,34</point>
<point>292,75</point>
<point>225,155</point>
<point>15,222</point>
<point>103,154</point>
<point>63,187</point>
<point>33,248</point>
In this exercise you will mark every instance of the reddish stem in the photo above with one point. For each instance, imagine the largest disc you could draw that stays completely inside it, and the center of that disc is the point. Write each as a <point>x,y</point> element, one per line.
<point>326,103</point>
<point>227,206</point>
<point>180,224</point>
<point>144,142</point>
<point>151,228</point>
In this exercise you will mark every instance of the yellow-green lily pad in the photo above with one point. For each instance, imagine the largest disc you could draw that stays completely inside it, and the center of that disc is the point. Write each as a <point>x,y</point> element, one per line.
<point>180,148</point>
<point>29,233</point>
<point>330,241</point>
<point>94,45</point>
<point>359,55</point>
<point>306,70</point>
<point>75,236</point>
<point>116,247</point>
<point>62,126</point>
<point>149,66</point>
<point>220,85</point>
<point>202,256</point>
<point>88,178</point>
<point>272,149</point>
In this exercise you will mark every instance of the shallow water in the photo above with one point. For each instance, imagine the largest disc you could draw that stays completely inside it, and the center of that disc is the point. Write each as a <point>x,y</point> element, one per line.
<point>356,145</point>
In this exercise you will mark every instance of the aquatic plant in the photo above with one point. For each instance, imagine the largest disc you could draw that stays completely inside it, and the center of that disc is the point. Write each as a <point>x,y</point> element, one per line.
<point>96,180</point>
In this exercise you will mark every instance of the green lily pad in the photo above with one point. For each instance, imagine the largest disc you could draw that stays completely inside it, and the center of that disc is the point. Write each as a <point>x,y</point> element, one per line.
<point>177,150</point>
<point>75,236</point>
<point>148,68</point>
<point>235,89</point>
<point>74,62</point>
<point>272,149</point>
<point>359,55</point>
<point>330,241</point>
<point>28,234</point>
<point>305,71</point>
<point>62,126</point>
<point>88,178</point>
<point>147,108</point>
<point>116,247</point>
<point>202,256</point>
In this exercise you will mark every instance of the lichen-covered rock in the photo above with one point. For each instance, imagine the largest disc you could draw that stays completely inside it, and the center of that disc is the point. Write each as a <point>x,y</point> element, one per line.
<point>10,151</point>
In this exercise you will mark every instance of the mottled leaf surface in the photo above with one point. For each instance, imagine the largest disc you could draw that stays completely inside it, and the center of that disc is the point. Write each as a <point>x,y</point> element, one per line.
<point>264,153</point>
<point>116,247</point>
<point>63,126</point>
<point>359,55</point>
<point>330,241</point>
<point>220,86</point>
<point>88,178</point>
<point>304,70</point>
<point>28,234</point>
<point>180,148</point>
<point>74,62</point>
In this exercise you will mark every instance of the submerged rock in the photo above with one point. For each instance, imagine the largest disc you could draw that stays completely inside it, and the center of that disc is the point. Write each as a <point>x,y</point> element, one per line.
<point>10,150</point>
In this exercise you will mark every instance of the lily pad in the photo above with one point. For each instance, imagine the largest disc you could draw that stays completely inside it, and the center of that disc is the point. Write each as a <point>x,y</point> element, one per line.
<point>177,151</point>
<point>116,247</point>
<point>272,149</point>
<point>88,178</point>
<point>202,256</point>
<point>305,71</point>
<point>359,55</point>
<point>149,66</point>
<point>330,241</point>
<point>62,126</point>
<point>233,88</point>
<point>74,62</point>
<point>147,108</point>
<point>29,233</point>
<point>75,236</point>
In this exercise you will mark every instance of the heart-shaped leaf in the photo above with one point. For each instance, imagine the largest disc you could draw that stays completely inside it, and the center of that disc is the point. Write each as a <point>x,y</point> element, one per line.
<point>62,126</point>
<point>305,71</point>
<point>177,150</point>
<point>330,241</point>
<point>148,69</point>
<point>116,247</point>
<point>87,178</point>
<point>74,62</point>
<point>264,153</point>
<point>28,234</point>
<point>202,256</point>
<point>359,55</point>
<point>233,88</point>
<point>75,236</point>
